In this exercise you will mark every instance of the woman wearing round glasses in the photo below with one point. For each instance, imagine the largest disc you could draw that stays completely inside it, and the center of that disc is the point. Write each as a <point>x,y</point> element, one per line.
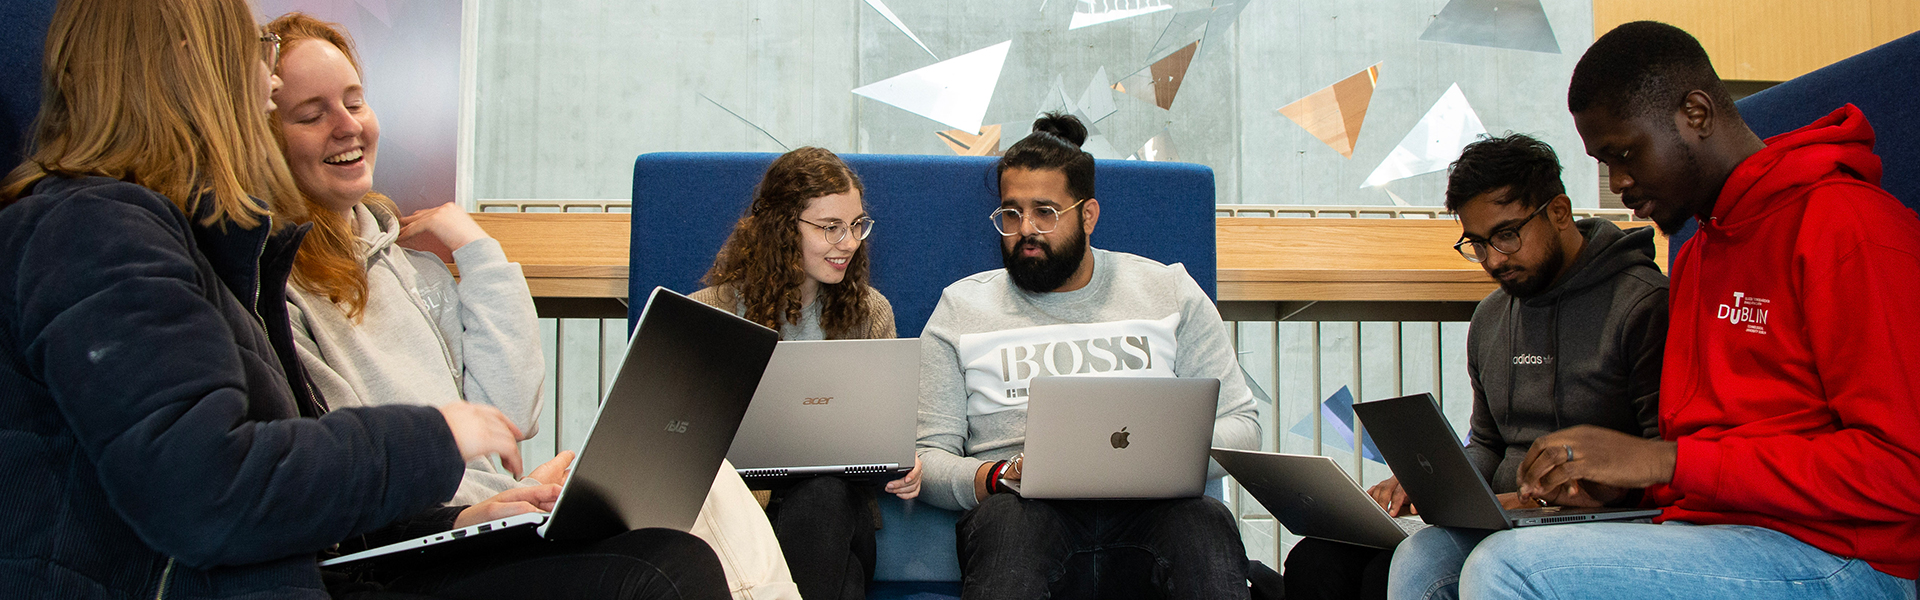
<point>797,262</point>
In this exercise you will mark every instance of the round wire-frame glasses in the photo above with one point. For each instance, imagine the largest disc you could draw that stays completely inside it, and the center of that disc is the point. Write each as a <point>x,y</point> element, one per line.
<point>836,232</point>
<point>1504,241</point>
<point>1044,218</point>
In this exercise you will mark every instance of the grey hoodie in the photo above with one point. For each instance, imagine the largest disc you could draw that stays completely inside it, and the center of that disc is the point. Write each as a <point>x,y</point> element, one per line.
<point>426,339</point>
<point>1586,351</point>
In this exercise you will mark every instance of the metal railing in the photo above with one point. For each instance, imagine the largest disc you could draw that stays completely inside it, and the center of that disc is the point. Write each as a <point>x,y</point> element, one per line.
<point>1299,365</point>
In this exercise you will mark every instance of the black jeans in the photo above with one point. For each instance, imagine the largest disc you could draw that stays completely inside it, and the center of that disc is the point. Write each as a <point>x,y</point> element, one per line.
<point>1324,570</point>
<point>825,527</point>
<point>1012,547</point>
<point>648,563</point>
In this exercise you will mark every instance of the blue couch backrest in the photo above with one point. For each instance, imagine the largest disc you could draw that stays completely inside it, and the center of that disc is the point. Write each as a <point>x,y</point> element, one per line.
<point>931,219</point>
<point>1881,82</point>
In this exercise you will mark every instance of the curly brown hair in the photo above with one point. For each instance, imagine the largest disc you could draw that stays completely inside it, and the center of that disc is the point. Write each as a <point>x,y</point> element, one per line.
<point>761,259</point>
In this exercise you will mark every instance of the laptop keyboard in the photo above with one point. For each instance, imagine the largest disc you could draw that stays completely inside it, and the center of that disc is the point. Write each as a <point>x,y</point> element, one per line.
<point>1408,526</point>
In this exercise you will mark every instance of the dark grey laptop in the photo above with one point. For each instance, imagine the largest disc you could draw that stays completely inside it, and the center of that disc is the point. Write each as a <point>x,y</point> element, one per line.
<point>847,408</point>
<point>663,427</point>
<point>1432,465</point>
<point>1313,497</point>
<point>1092,437</point>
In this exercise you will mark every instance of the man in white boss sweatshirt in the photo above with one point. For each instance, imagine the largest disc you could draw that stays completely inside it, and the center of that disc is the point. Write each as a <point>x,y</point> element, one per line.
<point>1125,315</point>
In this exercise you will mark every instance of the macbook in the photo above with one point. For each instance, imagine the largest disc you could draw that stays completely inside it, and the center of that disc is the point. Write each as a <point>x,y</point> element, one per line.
<point>1118,437</point>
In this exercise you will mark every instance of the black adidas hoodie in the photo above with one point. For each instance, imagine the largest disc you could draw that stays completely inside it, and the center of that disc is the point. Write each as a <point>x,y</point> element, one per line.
<point>1586,351</point>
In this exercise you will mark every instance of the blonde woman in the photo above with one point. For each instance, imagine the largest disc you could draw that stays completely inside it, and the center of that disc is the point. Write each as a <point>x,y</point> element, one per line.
<point>158,436</point>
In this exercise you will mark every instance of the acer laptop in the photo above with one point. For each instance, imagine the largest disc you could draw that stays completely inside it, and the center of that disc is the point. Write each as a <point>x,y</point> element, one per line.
<point>1422,451</point>
<point>1118,437</point>
<point>1313,497</point>
<point>847,408</point>
<point>662,429</point>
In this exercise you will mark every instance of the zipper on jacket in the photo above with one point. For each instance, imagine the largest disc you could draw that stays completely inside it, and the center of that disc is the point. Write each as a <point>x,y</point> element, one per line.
<point>166,576</point>
<point>259,255</point>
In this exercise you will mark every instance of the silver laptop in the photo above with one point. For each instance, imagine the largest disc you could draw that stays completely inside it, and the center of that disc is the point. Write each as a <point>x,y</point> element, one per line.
<point>1313,497</point>
<point>834,407</point>
<point>1118,437</point>
<point>1432,465</point>
<point>663,427</point>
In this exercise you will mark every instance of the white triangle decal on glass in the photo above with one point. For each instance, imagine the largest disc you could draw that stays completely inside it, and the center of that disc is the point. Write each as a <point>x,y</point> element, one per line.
<point>1434,142</point>
<point>954,92</point>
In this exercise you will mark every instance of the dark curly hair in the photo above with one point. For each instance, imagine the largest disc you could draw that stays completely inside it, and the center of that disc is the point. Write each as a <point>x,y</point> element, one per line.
<point>761,259</point>
<point>1526,165</point>
<point>1055,145</point>
<point>1643,68</point>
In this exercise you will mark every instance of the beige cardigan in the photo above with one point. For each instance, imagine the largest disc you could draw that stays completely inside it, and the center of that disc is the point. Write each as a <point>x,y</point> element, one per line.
<point>879,317</point>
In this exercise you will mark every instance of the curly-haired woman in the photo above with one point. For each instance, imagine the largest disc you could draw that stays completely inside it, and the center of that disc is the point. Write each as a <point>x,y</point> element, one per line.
<point>797,262</point>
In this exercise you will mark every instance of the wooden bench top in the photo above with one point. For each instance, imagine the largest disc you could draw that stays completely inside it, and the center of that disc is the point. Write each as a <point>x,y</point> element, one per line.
<point>1261,260</point>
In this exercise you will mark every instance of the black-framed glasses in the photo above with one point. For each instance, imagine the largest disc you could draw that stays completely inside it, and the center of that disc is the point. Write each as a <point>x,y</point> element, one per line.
<point>1044,218</point>
<point>1504,241</point>
<point>835,232</point>
<point>270,48</point>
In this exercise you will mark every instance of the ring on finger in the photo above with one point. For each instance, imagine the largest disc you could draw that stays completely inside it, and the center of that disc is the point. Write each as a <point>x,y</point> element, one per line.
<point>1569,450</point>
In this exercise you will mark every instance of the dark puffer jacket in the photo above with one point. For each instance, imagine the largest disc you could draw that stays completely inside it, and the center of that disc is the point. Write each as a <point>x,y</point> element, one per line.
<point>152,443</point>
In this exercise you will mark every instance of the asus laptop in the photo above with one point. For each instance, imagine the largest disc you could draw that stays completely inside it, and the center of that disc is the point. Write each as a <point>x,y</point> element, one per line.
<point>1118,437</point>
<point>1313,497</point>
<point>847,408</point>
<point>1422,451</point>
<point>662,429</point>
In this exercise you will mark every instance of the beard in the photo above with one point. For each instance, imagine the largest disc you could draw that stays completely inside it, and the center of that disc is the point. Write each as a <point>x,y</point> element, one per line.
<point>1667,216</point>
<point>1047,272</point>
<point>1530,286</point>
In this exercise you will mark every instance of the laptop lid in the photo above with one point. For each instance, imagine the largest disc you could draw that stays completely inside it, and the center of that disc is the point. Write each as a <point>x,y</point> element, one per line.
<point>1431,463</point>
<point>1312,496</point>
<point>832,407</point>
<point>1094,437</point>
<point>666,421</point>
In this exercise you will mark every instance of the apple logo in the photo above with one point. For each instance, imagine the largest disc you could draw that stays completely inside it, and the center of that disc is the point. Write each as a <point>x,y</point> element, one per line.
<point>1424,464</point>
<point>1119,438</point>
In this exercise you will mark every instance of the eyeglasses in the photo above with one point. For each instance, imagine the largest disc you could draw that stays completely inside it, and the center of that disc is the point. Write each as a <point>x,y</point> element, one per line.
<point>1505,241</point>
<point>836,233</point>
<point>1044,218</point>
<point>270,48</point>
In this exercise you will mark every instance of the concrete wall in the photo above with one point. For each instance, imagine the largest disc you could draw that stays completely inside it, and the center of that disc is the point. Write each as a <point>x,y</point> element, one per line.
<point>570,91</point>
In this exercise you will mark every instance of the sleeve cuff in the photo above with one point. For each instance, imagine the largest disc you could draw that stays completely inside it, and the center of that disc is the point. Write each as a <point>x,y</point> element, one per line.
<point>1696,468</point>
<point>478,253</point>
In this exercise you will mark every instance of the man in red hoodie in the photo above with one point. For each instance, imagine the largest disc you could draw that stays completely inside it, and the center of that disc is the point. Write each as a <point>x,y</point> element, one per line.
<point>1789,458</point>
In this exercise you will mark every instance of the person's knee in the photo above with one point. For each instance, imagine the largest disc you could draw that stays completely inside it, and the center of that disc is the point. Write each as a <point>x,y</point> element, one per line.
<point>1004,515</point>
<point>819,491</point>
<point>1196,515</point>
<point>1503,560</point>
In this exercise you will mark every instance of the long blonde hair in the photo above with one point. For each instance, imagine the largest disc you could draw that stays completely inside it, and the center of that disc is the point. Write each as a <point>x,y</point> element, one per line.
<point>161,93</point>
<point>329,261</point>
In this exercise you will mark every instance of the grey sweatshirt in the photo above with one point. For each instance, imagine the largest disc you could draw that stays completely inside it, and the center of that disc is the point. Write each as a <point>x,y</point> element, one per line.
<point>426,339</point>
<point>1586,351</point>
<point>987,338</point>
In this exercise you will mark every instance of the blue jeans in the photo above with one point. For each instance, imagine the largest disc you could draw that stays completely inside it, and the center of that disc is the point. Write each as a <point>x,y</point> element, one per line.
<point>1426,565</point>
<point>1672,560</point>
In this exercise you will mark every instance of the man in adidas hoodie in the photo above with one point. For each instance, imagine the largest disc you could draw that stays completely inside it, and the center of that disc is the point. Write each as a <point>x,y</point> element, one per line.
<point>1572,337</point>
<point>993,332</point>
<point>1789,458</point>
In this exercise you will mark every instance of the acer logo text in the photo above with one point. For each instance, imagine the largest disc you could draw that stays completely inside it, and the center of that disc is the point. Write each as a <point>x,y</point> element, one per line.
<point>817,400</point>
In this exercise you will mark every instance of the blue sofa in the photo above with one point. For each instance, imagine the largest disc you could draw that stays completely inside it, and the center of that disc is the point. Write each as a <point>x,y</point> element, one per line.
<point>931,230</point>
<point>1879,81</point>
